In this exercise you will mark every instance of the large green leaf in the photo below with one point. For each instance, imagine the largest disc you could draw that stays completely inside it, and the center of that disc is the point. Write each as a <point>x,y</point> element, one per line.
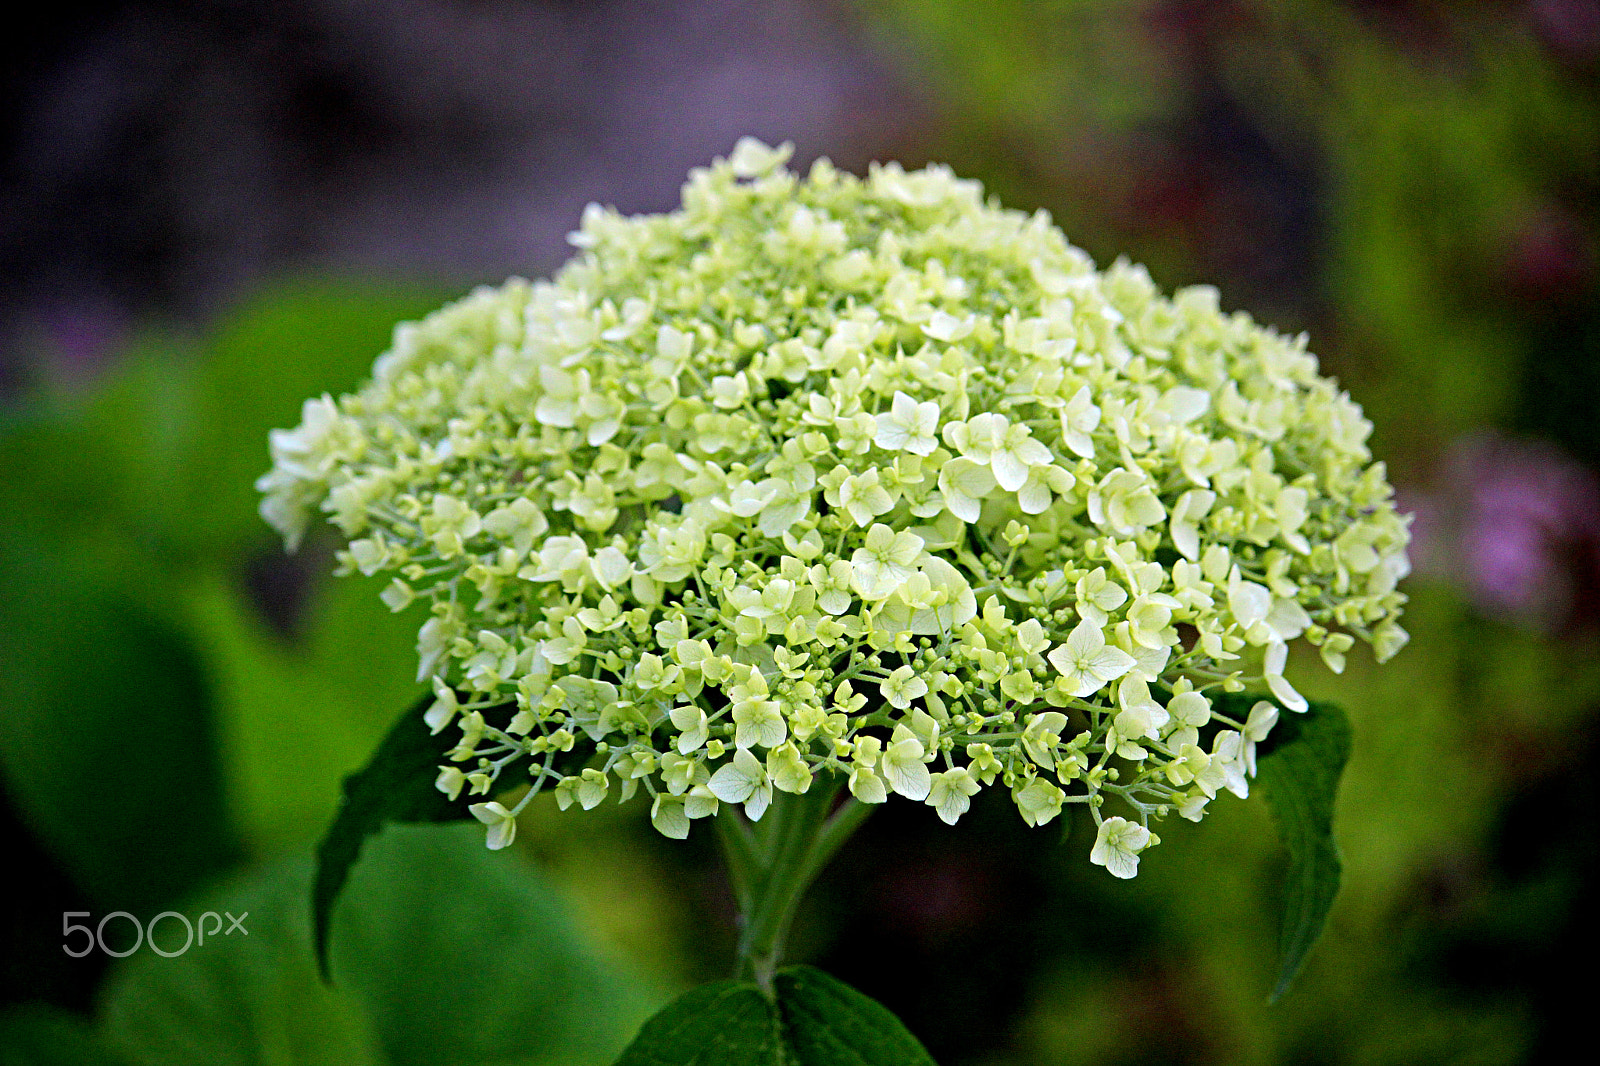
<point>810,1019</point>
<point>449,955</point>
<point>105,464</point>
<point>298,716</point>
<point>396,785</point>
<point>1298,771</point>
<point>40,1035</point>
<point>828,1023</point>
<point>464,955</point>
<point>283,346</point>
<point>107,740</point>
<point>724,1023</point>
<point>120,502</point>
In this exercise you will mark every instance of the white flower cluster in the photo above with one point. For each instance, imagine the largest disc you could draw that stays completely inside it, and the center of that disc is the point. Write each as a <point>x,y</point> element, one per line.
<point>864,477</point>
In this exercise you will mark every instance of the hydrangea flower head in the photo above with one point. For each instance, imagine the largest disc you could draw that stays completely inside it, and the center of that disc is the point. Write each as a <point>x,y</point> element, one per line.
<point>854,476</point>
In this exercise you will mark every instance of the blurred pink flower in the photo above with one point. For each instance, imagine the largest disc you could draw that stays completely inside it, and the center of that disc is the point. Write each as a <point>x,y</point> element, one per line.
<point>1517,525</point>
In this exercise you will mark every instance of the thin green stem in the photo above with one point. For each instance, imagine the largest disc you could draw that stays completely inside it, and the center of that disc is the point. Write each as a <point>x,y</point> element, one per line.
<point>739,852</point>
<point>835,831</point>
<point>772,866</point>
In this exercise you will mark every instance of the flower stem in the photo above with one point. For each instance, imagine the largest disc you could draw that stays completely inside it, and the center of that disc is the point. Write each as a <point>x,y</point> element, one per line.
<point>774,861</point>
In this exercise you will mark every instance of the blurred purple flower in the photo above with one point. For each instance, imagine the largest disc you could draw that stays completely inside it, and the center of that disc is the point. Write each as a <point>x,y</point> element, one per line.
<point>1570,27</point>
<point>1517,525</point>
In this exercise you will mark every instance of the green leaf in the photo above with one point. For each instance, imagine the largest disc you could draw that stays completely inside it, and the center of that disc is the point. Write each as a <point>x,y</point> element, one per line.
<point>239,1000</point>
<point>107,461</point>
<point>281,347</point>
<point>726,1023</point>
<point>107,741</point>
<point>811,1019</point>
<point>466,955</point>
<point>298,716</point>
<point>828,1023</point>
<point>1298,771</point>
<point>396,785</point>
<point>449,955</point>
<point>38,1035</point>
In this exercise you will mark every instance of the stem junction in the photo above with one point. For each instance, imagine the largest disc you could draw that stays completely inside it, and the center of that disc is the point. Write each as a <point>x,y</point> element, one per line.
<point>772,862</point>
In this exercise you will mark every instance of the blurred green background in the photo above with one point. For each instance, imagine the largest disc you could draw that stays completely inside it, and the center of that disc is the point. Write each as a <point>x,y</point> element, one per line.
<point>215,210</point>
